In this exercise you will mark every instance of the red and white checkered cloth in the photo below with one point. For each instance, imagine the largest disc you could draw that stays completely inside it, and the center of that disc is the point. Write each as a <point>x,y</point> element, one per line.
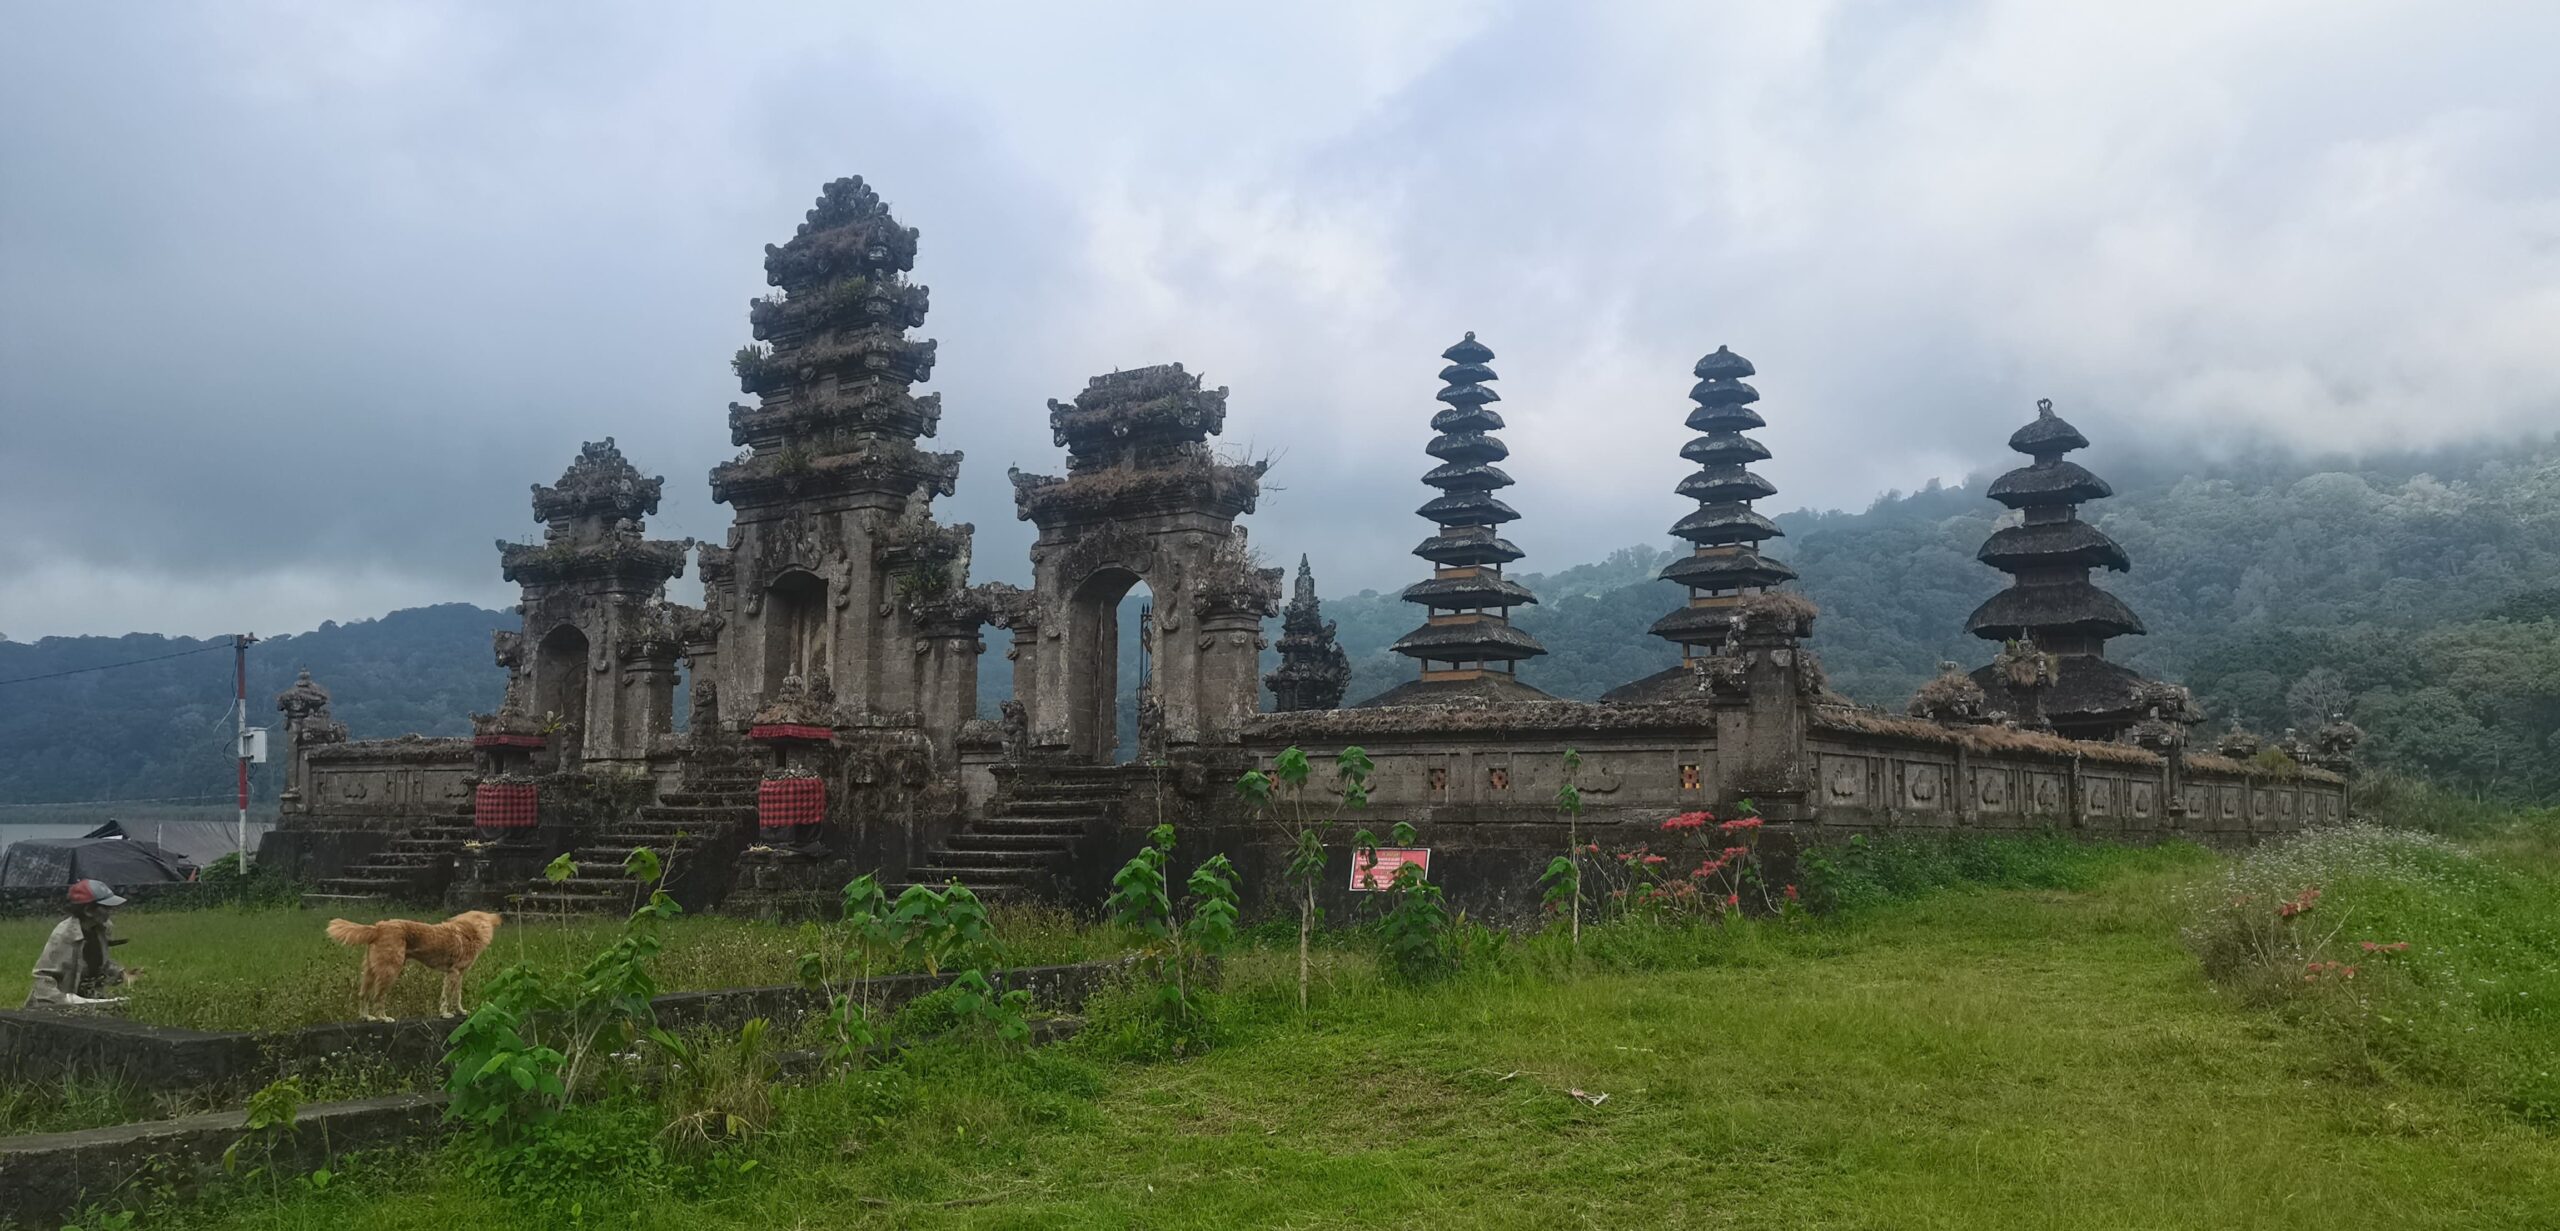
<point>503,805</point>
<point>785,803</point>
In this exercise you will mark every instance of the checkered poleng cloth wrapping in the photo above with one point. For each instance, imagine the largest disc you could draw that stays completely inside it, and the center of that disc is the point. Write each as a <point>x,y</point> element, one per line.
<point>503,805</point>
<point>785,803</point>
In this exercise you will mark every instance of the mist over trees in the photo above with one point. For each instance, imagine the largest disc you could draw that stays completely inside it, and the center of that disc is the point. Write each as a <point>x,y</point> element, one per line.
<point>2420,595</point>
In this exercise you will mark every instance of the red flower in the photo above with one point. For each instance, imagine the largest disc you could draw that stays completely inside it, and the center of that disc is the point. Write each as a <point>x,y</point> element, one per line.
<point>1791,894</point>
<point>1733,899</point>
<point>1687,820</point>
<point>1651,860</point>
<point>1736,852</point>
<point>1740,823</point>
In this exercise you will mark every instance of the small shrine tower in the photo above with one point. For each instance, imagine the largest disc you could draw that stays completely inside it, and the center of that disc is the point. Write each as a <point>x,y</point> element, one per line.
<point>1313,669</point>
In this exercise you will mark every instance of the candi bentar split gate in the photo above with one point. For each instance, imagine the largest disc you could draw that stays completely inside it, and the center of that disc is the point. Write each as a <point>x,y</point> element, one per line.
<point>832,670</point>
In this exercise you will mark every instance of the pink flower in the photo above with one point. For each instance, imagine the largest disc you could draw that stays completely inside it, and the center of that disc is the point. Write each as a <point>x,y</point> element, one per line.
<point>1733,899</point>
<point>1687,820</point>
<point>1740,823</point>
<point>1652,860</point>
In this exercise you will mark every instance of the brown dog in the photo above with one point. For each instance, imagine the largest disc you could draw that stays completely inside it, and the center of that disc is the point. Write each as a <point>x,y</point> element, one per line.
<point>451,946</point>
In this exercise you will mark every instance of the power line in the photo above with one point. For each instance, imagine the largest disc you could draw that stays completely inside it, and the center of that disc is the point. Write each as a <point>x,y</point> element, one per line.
<point>130,662</point>
<point>99,803</point>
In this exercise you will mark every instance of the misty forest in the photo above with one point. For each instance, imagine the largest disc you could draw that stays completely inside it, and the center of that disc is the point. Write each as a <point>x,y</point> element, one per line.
<point>2413,594</point>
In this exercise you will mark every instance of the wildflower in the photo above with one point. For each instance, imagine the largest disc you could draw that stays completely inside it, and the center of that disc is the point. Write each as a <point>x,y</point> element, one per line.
<point>1791,894</point>
<point>1740,824</point>
<point>1733,899</point>
<point>1654,860</point>
<point>1736,852</point>
<point>1686,821</point>
<point>1591,848</point>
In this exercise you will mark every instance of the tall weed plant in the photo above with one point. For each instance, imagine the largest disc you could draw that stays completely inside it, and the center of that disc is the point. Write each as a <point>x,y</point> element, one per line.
<point>2417,956</point>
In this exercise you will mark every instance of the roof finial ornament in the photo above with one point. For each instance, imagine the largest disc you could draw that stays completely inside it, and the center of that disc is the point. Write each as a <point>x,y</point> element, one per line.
<point>2044,408</point>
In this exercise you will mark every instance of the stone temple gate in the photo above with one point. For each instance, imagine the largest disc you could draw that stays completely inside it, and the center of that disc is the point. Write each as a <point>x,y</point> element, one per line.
<point>1143,500</point>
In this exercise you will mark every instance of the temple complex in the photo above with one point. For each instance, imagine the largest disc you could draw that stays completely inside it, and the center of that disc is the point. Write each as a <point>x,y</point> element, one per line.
<point>2051,608</point>
<point>1466,647</point>
<point>832,668</point>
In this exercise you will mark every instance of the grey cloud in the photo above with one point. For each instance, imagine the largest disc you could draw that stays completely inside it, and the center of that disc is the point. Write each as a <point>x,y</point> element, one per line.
<point>312,292</point>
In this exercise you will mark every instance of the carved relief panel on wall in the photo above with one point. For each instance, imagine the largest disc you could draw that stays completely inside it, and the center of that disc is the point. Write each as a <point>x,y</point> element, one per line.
<point>1844,781</point>
<point>1991,790</point>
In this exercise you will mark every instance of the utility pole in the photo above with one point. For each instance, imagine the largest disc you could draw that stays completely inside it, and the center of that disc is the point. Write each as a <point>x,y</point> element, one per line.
<point>240,730</point>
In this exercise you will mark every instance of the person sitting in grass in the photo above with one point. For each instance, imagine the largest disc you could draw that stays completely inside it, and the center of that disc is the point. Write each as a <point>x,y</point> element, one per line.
<point>74,967</point>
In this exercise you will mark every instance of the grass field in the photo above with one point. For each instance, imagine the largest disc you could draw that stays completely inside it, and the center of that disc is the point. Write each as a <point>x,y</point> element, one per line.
<point>1963,1058</point>
<point>271,968</point>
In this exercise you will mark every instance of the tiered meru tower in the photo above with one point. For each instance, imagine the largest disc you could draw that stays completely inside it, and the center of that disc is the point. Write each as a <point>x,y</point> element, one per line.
<point>1725,565</point>
<point>2051,606</point>
<point>833,497</point>
<point>1467,646</point>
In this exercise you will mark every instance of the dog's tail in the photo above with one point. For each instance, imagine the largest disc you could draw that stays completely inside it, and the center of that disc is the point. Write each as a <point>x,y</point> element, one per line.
<point>352,934</point>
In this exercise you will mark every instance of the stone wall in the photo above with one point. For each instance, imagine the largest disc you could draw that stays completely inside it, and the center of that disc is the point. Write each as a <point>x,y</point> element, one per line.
<point>168,895</point>
<point>382,784</point>
<point>1479,786</point>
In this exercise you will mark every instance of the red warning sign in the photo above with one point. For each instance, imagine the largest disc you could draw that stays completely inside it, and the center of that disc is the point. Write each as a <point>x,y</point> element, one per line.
<point>1367,877</point>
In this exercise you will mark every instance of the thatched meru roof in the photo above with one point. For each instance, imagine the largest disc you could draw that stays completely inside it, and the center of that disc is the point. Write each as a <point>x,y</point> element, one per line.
<point>2074,607</point>
<point>2067,544</point>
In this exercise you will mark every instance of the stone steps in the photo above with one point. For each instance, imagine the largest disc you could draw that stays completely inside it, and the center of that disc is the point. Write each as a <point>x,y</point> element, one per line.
<point>1078,808</point>
<point>325,900</point>
<point>995,857</point>
<point>979,879</point>
<point>986,840</point>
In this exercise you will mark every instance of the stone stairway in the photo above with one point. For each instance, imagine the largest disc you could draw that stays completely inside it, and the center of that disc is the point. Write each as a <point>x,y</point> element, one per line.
<point>1028,840</point>
<point>696,830</point>
<point>414,868</point>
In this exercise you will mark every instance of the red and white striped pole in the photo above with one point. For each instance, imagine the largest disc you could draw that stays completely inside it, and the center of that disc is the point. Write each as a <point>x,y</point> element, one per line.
<point>240,732</point>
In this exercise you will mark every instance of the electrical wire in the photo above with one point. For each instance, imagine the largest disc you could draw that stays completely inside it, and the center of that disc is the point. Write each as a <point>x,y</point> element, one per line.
<point>130,662</point>
<point>97,803</point>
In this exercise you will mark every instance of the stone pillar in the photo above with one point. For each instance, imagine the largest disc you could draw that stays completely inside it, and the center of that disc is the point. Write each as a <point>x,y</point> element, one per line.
<point>1229,656</point>
<point>1182,637</point>
<point>649,709</point>
<point>947,685</point>
<point>1758,687</point>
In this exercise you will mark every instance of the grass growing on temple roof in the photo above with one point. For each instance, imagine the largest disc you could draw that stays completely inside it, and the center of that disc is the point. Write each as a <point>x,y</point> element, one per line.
<point>271,968</point>
<point>2015,1056</point>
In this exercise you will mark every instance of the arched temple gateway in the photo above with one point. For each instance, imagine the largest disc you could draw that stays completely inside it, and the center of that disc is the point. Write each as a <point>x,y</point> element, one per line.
<point>832,671</point>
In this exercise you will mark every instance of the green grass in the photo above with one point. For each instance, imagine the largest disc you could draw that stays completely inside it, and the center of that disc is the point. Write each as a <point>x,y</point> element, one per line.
<point>1967,1058</point>
<point>271,968</point>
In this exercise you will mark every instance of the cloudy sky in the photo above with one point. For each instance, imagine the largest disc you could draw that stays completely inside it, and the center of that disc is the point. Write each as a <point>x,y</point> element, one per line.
<point>297,299</point>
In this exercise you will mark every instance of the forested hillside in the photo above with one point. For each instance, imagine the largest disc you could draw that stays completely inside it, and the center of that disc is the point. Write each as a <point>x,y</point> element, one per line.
<point>162,729</point>
<point>2419,594</point>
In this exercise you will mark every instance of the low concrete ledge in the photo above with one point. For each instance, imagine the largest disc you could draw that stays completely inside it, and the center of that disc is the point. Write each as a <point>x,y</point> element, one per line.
<point>38,1045</point>
<point>50,1177</point>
